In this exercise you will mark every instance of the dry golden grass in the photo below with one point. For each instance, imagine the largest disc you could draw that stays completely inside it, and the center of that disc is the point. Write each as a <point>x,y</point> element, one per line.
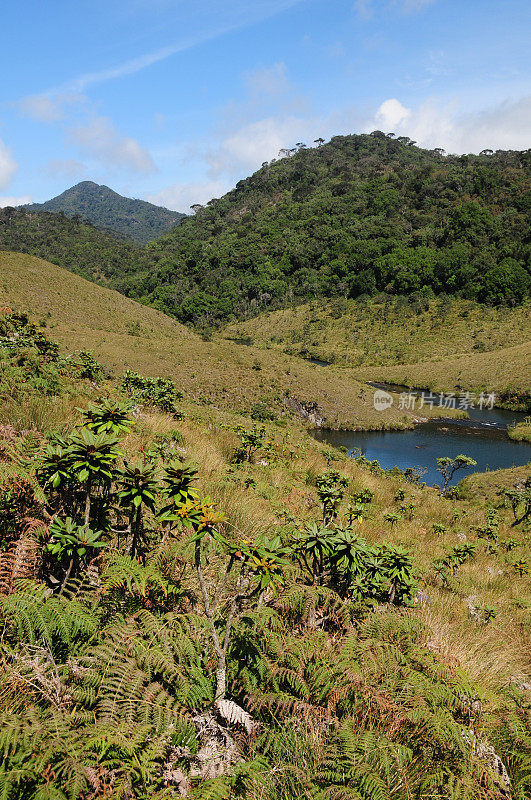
<point>43,414</point>
<point>486,486</point>
<point>495,371</point>
<point>481,652</point>
<point>124,334</point>
<point>521,432</point>
<point>457,343</point>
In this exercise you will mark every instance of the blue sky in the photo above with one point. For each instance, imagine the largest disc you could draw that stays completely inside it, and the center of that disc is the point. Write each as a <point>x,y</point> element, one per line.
<point>176,100</point>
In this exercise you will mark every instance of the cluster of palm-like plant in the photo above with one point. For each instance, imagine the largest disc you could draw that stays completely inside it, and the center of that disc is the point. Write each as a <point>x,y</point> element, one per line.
<point>339,558</point>
<point>163,654</point>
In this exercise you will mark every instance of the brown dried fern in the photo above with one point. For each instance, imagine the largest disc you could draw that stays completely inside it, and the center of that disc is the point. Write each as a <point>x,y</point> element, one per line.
<point>22,560</point>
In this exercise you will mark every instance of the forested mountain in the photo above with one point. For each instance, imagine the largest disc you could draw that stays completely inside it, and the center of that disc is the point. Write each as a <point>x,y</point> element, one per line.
<point>80,247</point>
<point>135,219</point>
<point>359,215</point>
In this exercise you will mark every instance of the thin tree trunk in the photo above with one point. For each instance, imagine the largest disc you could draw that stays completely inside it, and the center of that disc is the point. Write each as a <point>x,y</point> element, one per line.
<point>87,504</point>
<point>220,649</point>
<point>221,669</point>
<point>66,577</point>
<point>312,610</point>
<point>221,677</point>
<point>136,531</point>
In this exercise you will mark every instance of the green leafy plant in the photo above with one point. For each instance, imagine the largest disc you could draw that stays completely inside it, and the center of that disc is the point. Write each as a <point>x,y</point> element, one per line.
<point>331,490</point>
<point>438,528</point>
<point>355,512</point>
<point>87,366</point>
<point>520,501</point>
<point>92,461</point>
<point>158,392</point>
<point>166,447</point>
<point>393,518</point>
<point>54,469</point>
<point>363,496</point>
<point>108,416</point>
<point>251,441</point>
<point>76,543</point>
<point>521,567</point>
<point>407,510</point>
<point>139,490</point>
<point>178,489</point>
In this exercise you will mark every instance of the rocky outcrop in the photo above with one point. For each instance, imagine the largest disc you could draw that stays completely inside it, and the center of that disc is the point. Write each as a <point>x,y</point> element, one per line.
<point>309,411</point>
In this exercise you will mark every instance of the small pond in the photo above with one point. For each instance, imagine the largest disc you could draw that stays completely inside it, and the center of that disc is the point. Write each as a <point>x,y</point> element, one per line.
<point>483,437</point>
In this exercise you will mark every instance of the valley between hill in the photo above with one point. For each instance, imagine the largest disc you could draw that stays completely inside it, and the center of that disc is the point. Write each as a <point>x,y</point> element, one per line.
<point>125,334</point>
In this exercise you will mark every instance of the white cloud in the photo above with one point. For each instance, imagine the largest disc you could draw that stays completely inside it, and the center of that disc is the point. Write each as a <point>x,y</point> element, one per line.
<point>15,201</point>
<point>247,147</point>
<point>8,165</point>
<point>237,15</point>
<point>100,139</point>
<point>505,126</point>
<point>64,167</point>
<point>391,112</point>
<point>180,196</point>
<point>48,107</point>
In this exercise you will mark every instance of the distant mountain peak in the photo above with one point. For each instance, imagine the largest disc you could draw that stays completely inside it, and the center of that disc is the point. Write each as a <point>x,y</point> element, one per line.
<point>135,219</point>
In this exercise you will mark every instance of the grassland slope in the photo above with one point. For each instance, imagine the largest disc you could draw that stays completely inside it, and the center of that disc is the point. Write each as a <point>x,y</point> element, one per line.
<point>438,344</point>
<point>124,334</point>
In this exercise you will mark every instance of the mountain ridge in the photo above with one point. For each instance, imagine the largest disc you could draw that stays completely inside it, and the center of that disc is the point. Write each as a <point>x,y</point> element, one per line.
<point>135,219</point>
<point>362,215</point>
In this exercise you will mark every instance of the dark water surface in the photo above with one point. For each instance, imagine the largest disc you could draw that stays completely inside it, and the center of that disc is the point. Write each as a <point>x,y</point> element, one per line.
<point>483,437</point>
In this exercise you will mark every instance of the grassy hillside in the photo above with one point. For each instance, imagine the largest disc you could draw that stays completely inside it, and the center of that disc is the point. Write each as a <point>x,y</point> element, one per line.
<point>125,334</point>
<point>359,215</point>
<point>438,344</point>
<point>134,219</point>
<point>376,638</point>
<point>500,371</point>
<point>383,332</point>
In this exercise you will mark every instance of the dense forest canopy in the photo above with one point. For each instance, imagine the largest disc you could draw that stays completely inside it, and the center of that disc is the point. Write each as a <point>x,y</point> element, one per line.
<point>78,246</point>
<point>359,215</point>
<point>135,219</point>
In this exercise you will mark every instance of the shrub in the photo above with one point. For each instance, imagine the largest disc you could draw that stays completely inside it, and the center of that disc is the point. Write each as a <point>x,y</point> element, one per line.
<point>158,392</point>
